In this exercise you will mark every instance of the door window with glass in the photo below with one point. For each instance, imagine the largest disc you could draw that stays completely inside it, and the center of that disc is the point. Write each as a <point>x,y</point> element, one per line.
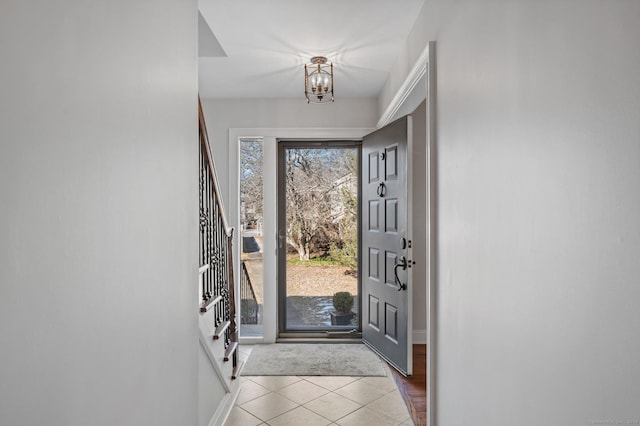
<point>251,251</point>
<point>318,236</point>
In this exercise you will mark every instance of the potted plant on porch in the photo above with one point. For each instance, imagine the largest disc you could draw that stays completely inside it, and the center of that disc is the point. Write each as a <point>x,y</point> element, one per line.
<point>342,303</point>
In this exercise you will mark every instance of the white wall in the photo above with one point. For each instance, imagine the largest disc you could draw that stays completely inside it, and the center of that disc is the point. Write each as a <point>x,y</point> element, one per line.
<point>211,390</point>
<point>223,114</point>
<point>406,59</point>
<point>538,156</point>
<point>98,224</point>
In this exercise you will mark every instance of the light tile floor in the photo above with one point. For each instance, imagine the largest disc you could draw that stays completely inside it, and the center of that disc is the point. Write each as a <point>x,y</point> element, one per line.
<point>317,400</point>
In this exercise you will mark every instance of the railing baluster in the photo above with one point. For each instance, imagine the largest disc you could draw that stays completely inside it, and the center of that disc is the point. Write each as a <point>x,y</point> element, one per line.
<point>248,299</point>
<point>216,239</point>
<point>212,243</point>
<point>212,236</point>
<point>216,261</point>
<point>207,246</point>
<point>202,223</point>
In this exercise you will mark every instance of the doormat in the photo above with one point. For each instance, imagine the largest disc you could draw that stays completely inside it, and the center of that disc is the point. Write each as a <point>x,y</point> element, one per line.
<point>304,359</point>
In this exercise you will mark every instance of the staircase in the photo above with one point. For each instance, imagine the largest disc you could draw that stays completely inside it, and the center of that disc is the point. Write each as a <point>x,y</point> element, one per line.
<point>217,301</point>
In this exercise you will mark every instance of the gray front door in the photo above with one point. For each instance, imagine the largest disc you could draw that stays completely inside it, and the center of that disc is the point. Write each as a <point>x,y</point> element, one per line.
<point>385,244</point>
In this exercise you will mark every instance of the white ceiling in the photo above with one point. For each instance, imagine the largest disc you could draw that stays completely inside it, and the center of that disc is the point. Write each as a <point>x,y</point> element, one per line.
<point>267,44</point>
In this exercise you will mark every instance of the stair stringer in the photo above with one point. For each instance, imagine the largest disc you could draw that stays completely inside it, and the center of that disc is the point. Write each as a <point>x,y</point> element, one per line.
<point>214,350</point>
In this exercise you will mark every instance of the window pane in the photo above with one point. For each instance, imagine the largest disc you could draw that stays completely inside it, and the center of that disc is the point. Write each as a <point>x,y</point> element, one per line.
<point>251,270</point>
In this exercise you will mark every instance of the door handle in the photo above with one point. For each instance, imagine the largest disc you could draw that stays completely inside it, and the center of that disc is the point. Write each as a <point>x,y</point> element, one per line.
<point>382,189</point>
<point>402,264</point>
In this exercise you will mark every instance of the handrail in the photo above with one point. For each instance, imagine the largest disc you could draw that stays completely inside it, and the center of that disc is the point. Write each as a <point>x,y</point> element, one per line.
<point>216,270</point>
<point>206,149</point>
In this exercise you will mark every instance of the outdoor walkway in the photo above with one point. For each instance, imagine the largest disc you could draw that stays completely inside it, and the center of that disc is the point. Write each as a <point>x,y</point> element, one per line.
<point>311,310</point>
<point>310,288</point>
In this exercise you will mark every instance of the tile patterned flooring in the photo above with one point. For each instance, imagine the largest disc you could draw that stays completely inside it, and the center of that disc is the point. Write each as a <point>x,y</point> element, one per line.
<point>317,400</point>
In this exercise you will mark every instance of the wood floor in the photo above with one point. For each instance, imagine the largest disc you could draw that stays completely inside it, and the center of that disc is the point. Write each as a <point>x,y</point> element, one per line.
<point>414,388</point>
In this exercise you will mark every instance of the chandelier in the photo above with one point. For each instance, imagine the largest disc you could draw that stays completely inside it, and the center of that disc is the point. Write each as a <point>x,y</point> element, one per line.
<point>318,80</point>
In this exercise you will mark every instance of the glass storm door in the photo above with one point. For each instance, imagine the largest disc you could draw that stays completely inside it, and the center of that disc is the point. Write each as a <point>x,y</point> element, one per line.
<point>318,233</point>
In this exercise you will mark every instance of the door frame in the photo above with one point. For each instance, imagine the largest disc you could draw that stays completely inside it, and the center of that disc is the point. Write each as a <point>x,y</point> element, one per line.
<point>313,332</point>
<point>421,82</point>
<point>429,62</point>
<point>269,137</point>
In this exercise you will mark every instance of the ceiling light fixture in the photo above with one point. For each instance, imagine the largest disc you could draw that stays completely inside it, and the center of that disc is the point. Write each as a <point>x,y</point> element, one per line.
<point>318,80</point>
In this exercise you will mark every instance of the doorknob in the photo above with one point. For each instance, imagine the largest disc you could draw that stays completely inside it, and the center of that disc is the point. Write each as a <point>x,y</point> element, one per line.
<point>402,264</point>
<point>382,189</point>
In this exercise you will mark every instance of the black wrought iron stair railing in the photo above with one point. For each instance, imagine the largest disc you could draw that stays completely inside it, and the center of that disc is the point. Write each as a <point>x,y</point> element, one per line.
<point>248,301</point>
<point>217,292</point>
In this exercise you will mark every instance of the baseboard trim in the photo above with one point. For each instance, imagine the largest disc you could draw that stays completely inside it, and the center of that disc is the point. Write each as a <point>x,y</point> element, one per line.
<point>225,407</point>
<point>419,337</point>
